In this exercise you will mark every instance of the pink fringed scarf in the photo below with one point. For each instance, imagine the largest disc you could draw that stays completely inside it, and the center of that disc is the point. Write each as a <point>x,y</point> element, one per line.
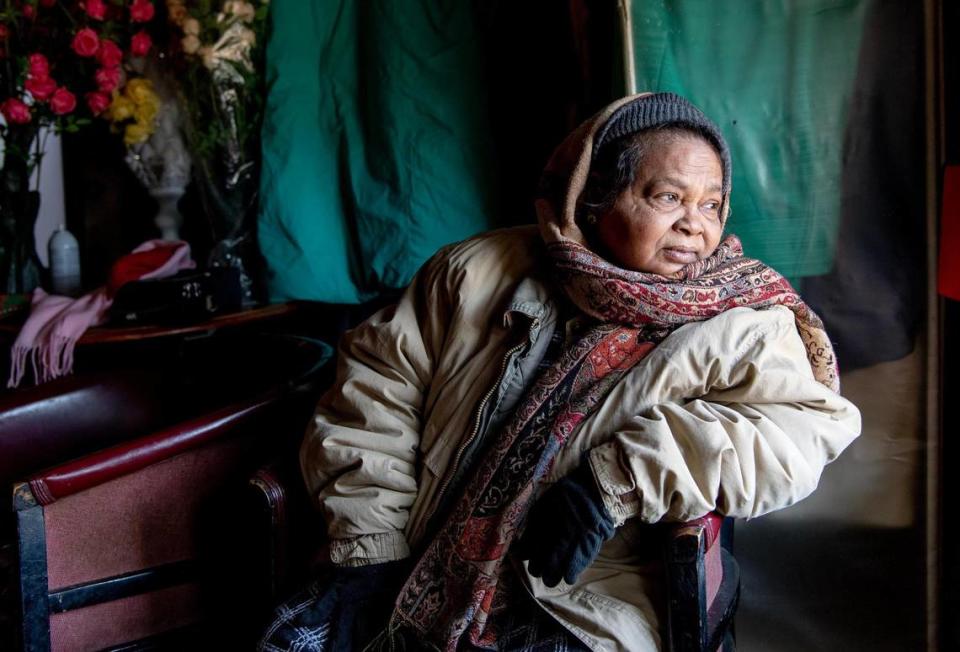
<point>48,338</point>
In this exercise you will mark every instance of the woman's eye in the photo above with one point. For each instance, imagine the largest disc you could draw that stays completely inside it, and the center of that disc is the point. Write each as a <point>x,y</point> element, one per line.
<point>711,207</point>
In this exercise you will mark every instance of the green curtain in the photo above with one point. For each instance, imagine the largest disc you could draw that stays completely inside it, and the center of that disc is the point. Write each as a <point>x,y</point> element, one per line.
<point>375,147</point>
<point>777,76</point>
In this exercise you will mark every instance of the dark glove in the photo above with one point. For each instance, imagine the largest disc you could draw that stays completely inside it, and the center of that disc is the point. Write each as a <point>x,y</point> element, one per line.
<point>566,528</point>
<point>339,611</point>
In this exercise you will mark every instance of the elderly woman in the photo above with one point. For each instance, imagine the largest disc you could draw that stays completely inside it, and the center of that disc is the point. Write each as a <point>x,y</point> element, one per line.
<point>497,442</point>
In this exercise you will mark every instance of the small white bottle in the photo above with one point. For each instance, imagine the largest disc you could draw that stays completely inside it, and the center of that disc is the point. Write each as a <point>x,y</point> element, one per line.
<point>64,263</point>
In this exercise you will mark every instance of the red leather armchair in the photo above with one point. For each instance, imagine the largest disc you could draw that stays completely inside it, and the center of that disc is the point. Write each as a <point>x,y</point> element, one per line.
<point>143,543</point>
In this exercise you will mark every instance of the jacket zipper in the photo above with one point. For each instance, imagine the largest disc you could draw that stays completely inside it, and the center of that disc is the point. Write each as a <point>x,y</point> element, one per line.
<point>452,471</point>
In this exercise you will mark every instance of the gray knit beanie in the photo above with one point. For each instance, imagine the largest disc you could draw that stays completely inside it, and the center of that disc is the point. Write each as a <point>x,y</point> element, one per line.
<point>660,110</point>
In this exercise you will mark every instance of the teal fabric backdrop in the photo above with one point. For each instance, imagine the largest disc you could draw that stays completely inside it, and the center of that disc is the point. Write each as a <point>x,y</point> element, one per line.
<point>778,78</point>
<point>375,144</point>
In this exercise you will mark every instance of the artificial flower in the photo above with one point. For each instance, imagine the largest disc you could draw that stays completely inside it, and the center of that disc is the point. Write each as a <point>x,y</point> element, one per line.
<point>95,9</point>
<point>136,133</point>
<point>109,55</point>
<point>63,101</point>
<point>121,108</point>
<point>208,56</point>
<point>38,66</point>
<point>86,42</point>
<point>40,88</point>
<point>140,90</point>
<point>191,26</point>
<point>176,12</point>
<point>15,111</point>
<point>97,102</point>
<point>108,79</point>
<point>248,36</point>
<point>141,11</point>
<point>140,44</point>
<point>190,44</point>
<point>242,10</point>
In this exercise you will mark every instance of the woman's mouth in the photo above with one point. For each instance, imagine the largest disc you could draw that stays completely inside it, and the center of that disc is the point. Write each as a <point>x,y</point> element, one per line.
<point>679,255</point>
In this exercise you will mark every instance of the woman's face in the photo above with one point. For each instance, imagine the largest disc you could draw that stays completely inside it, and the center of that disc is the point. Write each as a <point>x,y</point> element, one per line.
<point>670,216</point>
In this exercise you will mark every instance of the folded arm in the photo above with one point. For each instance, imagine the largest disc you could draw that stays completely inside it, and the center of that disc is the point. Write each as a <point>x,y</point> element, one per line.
<point>754,437</point>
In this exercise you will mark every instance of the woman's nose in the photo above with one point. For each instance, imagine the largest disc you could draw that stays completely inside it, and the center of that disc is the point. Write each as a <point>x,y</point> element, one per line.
<point>689,223</point>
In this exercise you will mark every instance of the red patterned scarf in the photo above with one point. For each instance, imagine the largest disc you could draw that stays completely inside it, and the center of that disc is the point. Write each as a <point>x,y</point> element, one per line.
<point>458,585</point>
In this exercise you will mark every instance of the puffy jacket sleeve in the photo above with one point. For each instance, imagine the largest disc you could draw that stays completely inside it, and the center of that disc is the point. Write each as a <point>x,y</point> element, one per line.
<point>359,454</point>
<point>753,434</point>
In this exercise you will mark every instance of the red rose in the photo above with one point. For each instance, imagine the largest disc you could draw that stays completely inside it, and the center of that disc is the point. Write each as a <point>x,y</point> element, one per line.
<point>4,31</point>
<point>140,44</point>
<point>107,79</point>
<point>63,101</point>
<point>38,66</point>
<point>109,55</point>
<point>95,9</point>
<point>86,42</point>
<point>98,102</point>
<point>47,3</point>
<point>15,111</point>
<point>28,13</point>
<point>40,87</point>
<point>141,11</point>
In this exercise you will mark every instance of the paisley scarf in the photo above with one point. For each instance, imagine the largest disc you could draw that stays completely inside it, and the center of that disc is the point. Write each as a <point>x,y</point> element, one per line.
<point>458,586</point>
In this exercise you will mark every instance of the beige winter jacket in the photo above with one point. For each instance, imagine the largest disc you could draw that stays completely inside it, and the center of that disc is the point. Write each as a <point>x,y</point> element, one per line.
<point>723,415</point>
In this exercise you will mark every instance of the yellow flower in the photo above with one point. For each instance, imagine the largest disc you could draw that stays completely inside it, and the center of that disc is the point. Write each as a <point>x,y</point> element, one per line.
<point>140,90</point>
<point>121,108</point>
<point>137,132</point>
<point>146,113</point>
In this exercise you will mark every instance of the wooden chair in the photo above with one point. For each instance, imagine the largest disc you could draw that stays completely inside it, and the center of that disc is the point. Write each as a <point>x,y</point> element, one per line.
<point>703,579</point>
<point>141,545</point>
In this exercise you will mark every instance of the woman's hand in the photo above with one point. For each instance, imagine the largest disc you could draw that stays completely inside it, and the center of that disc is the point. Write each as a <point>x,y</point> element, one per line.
<point>566,528</point>
<point>338,612</point>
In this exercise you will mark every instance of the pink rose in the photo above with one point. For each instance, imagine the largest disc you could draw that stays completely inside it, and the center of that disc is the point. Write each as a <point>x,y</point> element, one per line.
<point>141,11</point>
<point>107,79</point>
<point>38,66</point>
<point>98,102</point>
<point>86,42</point>
<point>95,9</point>
<point>40,87</point>
<point>15,111</point>
<point>109,55</point>
<point>140,44</point>
<point>63,101</point>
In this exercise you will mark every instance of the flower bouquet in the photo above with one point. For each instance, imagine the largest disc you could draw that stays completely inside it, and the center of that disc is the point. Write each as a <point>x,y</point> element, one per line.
<point>62,63</point>
<point>218,62</point>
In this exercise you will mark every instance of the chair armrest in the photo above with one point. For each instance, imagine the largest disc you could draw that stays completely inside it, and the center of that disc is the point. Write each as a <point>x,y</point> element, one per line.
<point>703,584</point>
<point>100,467</point>
<point>289,534</point>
